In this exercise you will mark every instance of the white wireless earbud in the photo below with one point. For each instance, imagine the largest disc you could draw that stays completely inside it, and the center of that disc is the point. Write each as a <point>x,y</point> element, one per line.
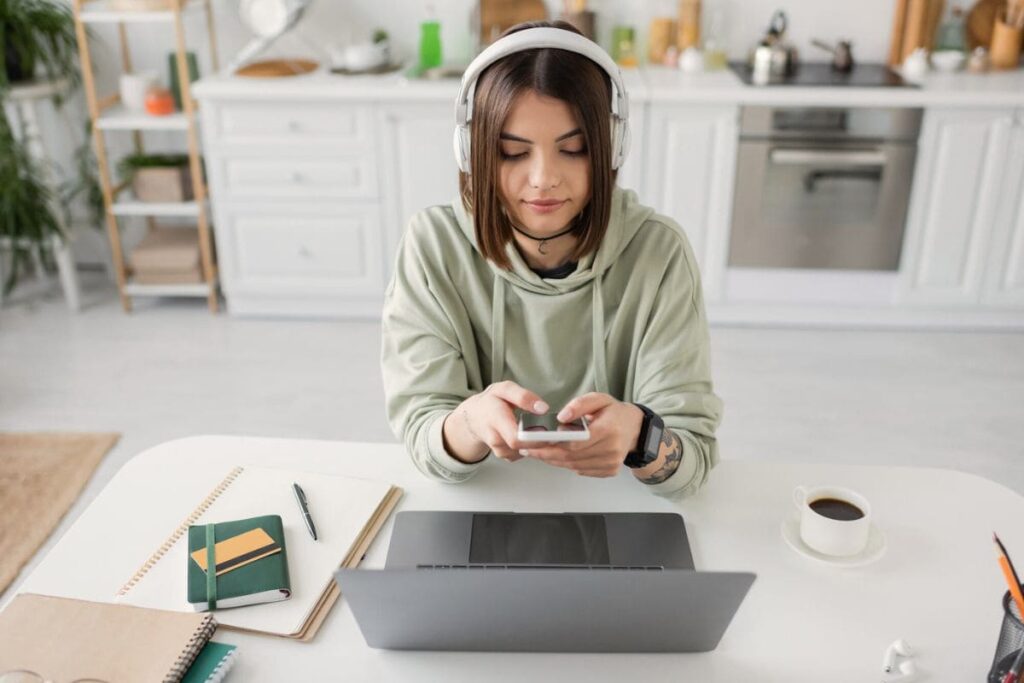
<point>907,670</point>
<point>899,647</point>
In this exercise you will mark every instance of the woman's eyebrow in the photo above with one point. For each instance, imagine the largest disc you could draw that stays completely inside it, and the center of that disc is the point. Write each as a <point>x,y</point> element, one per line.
<point>565,136</point>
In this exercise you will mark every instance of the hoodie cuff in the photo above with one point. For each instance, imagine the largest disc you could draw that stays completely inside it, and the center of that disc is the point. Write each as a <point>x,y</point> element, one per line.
<point>685,474</point>
<point>440,456</point>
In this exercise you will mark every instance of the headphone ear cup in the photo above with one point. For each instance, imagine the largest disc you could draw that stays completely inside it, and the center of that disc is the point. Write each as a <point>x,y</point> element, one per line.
<point>620,142</point>
<point>624,141</point>
<point>460,142</point>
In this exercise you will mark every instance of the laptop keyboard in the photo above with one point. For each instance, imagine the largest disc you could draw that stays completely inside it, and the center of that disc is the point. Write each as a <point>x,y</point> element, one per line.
<point>606,567</point>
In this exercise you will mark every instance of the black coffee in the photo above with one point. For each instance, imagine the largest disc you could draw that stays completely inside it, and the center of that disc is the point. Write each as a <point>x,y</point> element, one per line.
<point>833,508</point>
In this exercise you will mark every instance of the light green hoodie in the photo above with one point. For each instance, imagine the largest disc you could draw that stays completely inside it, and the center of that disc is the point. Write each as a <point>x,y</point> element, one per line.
<point>629,322</point>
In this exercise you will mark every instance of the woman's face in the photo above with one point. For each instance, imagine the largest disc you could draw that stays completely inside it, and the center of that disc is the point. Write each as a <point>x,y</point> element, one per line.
<point>545,167</point>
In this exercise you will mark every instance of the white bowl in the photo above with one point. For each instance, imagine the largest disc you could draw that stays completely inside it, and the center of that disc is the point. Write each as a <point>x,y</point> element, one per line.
<point>366,56</point>
<point>948,60</point>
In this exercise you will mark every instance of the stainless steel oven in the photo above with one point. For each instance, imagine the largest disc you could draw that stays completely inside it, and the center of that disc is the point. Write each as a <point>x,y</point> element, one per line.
<point>822,187</point>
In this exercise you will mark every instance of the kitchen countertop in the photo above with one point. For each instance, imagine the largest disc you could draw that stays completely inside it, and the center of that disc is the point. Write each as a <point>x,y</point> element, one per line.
<point>646,84</point>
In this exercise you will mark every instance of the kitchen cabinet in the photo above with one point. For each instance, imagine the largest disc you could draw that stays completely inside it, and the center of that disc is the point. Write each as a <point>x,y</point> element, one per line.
<point>1004,285</point>
<point>297,206</point>
<point>690,157</point>
<point>418,164</point>
<point>958,182</point>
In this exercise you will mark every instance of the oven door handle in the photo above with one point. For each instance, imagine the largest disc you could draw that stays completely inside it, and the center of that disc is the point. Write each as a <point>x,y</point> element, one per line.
<point>804,157</point>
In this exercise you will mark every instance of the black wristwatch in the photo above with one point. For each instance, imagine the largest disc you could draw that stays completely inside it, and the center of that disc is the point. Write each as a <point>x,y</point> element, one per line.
<point>649,443</point>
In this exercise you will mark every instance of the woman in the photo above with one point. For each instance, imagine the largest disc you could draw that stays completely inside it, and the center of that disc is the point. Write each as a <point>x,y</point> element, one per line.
<point>544,286</point>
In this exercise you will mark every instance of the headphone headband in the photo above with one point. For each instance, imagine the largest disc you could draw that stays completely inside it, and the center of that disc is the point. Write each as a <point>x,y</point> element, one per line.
<point>535,38</point>
<point>531,39</point>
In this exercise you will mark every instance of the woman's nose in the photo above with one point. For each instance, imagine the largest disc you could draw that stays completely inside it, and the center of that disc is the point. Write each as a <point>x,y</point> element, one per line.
<point>544,173</point>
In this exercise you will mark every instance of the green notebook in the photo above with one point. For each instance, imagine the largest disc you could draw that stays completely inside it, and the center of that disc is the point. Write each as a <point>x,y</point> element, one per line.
<point>251,563</point>
<point>212,663</point>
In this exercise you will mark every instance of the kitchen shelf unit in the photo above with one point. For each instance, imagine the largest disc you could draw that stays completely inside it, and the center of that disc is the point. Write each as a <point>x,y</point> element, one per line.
<point>109,115</point>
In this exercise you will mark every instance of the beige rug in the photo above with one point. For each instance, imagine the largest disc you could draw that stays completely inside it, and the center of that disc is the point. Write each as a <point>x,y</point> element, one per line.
<point>41,475</point>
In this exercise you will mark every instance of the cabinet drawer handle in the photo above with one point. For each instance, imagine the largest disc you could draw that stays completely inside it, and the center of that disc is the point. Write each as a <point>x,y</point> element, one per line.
<point>294,126</point>
<point>297,177</point>
<point>305,253</point>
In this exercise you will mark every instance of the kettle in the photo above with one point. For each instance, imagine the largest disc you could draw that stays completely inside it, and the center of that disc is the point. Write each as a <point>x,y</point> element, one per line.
<point>842,54</point>
<point>773,57</point>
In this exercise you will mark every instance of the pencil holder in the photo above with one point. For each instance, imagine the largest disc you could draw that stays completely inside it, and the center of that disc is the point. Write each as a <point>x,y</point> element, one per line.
<point>1011,640</point>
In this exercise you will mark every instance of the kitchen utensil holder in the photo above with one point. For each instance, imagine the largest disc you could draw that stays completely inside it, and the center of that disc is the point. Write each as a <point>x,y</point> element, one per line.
<point>1005,48</point>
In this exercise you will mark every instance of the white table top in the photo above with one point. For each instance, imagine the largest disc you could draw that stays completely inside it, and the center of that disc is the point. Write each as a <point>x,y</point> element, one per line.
<point>938,585</point>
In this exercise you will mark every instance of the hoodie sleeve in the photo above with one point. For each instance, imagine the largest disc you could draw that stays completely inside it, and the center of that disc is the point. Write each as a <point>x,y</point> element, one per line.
<point>673,374</point>
<point>422,366</point>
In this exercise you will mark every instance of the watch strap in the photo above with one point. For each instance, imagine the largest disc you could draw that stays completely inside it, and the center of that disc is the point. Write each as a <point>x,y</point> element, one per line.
<point>640,456</point>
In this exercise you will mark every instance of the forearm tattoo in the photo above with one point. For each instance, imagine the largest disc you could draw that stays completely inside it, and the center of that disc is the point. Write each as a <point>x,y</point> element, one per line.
<point>672,449</point>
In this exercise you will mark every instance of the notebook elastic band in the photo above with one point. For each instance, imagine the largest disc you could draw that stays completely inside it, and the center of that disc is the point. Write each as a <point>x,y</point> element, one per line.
<point>211,569</point>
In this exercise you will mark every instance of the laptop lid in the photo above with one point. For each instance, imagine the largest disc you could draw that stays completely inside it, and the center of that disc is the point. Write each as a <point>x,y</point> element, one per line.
<point>543,609</point>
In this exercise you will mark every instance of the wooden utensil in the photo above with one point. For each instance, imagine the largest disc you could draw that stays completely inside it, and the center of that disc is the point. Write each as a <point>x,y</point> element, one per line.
<point>899,23</point>
<point>931,27</point>
<point>914,33</point>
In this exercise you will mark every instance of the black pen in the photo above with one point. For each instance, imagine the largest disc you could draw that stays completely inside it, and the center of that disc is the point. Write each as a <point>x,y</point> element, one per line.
<point>300,496</point>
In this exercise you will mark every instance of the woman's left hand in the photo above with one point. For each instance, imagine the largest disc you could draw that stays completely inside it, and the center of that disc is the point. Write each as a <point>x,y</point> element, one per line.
<point>614,430</point>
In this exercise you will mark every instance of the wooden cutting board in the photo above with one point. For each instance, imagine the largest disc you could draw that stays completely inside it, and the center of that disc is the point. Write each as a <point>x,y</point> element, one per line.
<point>980,19</point>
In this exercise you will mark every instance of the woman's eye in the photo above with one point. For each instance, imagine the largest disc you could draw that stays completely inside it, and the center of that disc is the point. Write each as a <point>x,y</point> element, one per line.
<point>507,156</point>
<point>582,151</point>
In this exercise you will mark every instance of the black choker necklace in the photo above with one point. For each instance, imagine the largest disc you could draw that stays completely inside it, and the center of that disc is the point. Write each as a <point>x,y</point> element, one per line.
<point>542,240</point>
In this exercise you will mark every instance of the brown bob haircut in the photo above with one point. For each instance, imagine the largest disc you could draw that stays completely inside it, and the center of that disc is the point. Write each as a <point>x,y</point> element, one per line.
<point>561,74</point>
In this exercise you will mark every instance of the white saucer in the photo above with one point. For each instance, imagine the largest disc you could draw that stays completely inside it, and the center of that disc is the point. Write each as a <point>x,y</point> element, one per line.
<point>872,551</point>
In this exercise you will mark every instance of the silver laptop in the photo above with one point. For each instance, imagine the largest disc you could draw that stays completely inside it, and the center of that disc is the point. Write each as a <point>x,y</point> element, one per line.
<point>616,582</point>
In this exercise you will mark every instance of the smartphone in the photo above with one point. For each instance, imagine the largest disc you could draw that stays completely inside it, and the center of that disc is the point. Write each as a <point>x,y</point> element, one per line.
<point>547,428</point>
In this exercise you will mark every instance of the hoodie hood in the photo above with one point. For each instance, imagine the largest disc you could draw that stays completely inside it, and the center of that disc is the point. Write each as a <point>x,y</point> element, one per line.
<point>626,218</point>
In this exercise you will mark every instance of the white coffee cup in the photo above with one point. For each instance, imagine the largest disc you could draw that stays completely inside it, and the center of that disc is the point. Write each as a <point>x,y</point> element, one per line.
<point>135,86</point>
<point>829,535</point>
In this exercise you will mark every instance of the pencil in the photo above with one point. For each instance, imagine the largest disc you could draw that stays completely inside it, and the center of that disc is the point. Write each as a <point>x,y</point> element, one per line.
<point>1002,548</point>
<point>1010,575</point>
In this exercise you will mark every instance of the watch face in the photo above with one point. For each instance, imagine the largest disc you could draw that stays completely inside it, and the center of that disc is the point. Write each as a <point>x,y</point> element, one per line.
<point>653,444</point>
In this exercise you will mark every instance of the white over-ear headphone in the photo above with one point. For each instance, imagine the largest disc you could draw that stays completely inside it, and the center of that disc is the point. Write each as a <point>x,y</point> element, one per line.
<point>531,39</point>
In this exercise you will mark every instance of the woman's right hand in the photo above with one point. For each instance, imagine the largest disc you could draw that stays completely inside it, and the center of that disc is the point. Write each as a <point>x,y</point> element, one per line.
<point>487,422</point>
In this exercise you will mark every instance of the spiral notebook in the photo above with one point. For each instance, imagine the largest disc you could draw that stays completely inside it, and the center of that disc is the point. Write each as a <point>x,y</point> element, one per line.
<point>348,513</point>
<point>63,639</point>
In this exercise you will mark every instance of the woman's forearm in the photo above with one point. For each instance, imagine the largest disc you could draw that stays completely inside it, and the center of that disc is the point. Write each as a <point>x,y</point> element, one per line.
<point>670,454</point>
<point>459,439</point>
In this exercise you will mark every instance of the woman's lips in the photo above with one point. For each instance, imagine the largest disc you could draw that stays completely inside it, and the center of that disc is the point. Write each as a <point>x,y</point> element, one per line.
<point>545,205</point>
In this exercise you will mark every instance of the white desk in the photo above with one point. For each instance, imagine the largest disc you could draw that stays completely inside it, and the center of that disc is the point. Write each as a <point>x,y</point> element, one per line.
<point>938,585</point>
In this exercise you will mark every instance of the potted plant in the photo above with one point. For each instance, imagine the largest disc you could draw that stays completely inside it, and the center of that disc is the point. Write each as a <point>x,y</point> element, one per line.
<point>33,34</point>
<point>158,177</point>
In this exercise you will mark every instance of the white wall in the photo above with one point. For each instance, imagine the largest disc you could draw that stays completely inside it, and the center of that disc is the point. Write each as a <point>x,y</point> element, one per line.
<point>867,23</point>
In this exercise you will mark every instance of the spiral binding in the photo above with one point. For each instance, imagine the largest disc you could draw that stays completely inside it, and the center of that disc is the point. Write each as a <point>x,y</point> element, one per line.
<point>182,528</point>
<point>196,643</point>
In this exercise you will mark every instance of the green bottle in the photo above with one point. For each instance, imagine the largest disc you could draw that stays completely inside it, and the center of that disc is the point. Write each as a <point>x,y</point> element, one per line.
<point>951,33</point>
<point>430,44</point>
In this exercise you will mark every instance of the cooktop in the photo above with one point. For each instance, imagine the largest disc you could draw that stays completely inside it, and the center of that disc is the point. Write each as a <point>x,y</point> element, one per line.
<point>822,74</point>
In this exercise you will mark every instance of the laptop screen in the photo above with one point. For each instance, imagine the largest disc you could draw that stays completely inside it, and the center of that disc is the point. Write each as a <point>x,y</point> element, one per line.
<point>577,539</point>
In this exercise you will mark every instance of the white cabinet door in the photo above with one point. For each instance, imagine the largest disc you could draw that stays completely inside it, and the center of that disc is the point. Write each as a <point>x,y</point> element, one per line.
<point>962,154</point>
<point>324,255</point>
<point>1005,277</point>
<point>690,155</point>
<point>417,162</point>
